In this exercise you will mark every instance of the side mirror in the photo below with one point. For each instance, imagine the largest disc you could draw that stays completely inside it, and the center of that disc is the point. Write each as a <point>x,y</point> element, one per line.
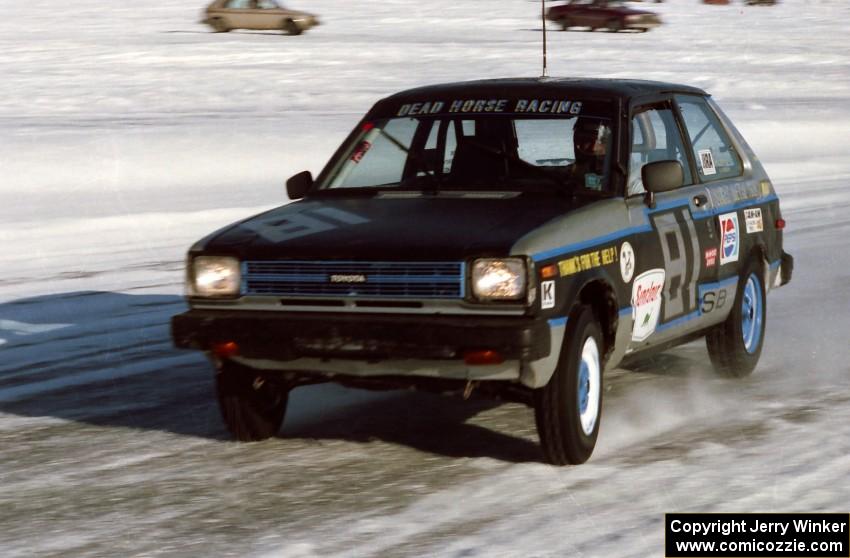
<point>299,184</point>
<point>662,176</point>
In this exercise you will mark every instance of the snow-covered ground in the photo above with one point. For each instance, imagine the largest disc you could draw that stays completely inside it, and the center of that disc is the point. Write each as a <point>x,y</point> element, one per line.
<point>128,131</point>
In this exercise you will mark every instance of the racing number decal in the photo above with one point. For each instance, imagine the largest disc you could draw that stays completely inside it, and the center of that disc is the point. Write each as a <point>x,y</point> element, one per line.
<point>275,228</point>
<point>680,247</point>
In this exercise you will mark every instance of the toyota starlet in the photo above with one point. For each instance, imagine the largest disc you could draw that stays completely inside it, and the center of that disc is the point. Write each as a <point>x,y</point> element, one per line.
<point>515,238</point>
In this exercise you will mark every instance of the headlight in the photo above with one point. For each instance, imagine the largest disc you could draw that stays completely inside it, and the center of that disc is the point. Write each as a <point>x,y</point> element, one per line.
<point>499,279</point>
<point>214,276</point>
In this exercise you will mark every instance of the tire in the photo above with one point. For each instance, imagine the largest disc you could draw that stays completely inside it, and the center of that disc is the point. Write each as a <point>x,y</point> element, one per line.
<point>566,23</point>
<point>614,26</point>
<point>735,345</point>
<point>219,25</point>
<point>568,409</point>
<point>252,407</point>
<point>291,28</point>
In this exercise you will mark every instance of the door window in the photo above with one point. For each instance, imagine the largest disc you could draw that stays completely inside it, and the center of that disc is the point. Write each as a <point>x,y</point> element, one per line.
<point>714,154</point>
<point>655,137</point>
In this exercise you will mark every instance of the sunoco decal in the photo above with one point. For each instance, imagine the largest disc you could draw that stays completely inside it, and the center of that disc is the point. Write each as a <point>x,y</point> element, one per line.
<point>589,260</point>
<point>730,239</point>
<point>752,218</point>
<point>646,303</point>
<point>522,106</point>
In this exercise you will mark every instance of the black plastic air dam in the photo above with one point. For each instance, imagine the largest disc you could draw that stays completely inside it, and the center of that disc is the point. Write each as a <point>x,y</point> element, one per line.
<point>291,335</point>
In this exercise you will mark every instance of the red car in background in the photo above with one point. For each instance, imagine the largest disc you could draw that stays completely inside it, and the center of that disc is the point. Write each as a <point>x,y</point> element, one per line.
<point>613,15</point>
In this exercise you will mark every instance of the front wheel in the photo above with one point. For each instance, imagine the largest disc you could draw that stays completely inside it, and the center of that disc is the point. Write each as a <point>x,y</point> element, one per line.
<point>614,26</point>
<point>568,409</point>
<point>735,345</point>
<point>291,28</point>
<point>251,405</point>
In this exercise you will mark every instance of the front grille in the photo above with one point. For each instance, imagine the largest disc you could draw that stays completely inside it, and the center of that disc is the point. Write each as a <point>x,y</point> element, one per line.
<point>354,279</point>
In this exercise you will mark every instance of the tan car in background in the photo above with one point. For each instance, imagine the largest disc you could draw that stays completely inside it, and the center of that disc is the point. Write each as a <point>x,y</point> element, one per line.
<point>224,15</point>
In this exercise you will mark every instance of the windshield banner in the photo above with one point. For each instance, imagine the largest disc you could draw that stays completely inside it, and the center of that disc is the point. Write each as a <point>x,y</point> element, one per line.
<point>507,106</point>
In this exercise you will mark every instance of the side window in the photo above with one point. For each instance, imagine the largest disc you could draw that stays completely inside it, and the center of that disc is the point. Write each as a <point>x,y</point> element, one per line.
<point>238,4</point>
<point>655,137</point>
<point>716,158</point>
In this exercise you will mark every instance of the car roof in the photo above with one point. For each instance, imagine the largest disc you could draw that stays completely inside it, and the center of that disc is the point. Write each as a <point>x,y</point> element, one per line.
<point>574,86</point>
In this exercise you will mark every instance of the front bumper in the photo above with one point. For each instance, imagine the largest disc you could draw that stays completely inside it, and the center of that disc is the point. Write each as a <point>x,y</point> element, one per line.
<point>288,336</point>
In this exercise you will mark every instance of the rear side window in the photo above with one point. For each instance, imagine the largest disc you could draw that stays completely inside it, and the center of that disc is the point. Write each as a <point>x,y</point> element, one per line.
<point>714,154</point>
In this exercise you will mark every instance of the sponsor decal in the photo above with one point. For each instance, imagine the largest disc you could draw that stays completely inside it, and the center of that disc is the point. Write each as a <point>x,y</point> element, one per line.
<point>646,303</point>
<point>706,161</point>
<point>729,238</point>
<point>524,106</point>
<point>733,193</point>
<point>547,295</point>
<point>710,257</point>
<point>627,262</point>
<point>360,151</point>
<point>589,260</point>
<point>347,278</point>
<point>713,300</point>
<point>752,218</point>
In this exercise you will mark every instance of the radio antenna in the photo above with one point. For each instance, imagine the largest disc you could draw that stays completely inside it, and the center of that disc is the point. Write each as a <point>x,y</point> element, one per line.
<point>543,19</point>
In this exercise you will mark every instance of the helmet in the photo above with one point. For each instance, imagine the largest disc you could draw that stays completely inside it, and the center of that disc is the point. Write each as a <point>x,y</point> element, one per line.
<point>589,137</point>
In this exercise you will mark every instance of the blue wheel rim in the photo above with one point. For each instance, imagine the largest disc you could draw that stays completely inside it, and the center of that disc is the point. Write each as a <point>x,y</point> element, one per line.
<point>752,314</point>
<point>589,386</point>
<point>583,387</point>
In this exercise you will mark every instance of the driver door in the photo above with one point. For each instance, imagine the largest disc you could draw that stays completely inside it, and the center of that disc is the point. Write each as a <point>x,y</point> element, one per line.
<point>673,257</point>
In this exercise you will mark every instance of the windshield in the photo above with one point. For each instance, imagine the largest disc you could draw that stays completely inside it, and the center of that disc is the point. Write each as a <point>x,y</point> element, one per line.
<point>477,152</point>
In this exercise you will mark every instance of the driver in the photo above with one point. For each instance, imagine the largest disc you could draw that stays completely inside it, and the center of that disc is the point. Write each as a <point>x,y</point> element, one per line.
<point>590,142</point>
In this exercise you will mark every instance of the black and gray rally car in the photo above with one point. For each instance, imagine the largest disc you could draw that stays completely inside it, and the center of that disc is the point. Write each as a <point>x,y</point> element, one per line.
<point>513,237</point>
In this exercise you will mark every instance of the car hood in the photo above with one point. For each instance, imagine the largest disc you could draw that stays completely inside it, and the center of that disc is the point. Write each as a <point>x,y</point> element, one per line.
<point>425,228</point>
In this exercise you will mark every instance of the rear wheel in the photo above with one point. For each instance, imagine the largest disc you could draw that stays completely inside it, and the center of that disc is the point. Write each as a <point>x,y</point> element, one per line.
<point>291,28</point>
<point>219,25</point>
<point>569,407</point>
<point>252,406</point>
<point>735,345</point>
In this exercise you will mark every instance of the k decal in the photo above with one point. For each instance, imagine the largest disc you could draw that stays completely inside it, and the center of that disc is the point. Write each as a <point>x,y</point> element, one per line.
<point>547,295</point>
